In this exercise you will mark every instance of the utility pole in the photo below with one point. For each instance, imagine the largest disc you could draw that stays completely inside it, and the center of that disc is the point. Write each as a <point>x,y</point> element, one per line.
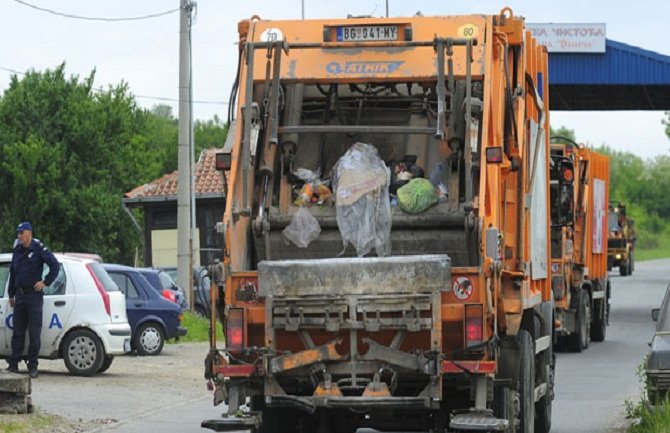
<point>387,8</point>
<point>302,2</point>
<point>184,230</point>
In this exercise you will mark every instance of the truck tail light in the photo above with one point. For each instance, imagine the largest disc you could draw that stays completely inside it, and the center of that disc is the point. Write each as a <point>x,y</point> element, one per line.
<point>474,332</point>
<point>223,161</point>
<point>494,155</point>
<point>101,290</point>
<point>235,330</point>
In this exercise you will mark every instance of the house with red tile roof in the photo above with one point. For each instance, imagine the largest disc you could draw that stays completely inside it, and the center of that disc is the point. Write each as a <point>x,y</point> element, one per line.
<point>158,201</point>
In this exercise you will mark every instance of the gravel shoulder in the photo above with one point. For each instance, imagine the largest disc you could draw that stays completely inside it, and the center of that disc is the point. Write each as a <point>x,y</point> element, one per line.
<point>134,387</point>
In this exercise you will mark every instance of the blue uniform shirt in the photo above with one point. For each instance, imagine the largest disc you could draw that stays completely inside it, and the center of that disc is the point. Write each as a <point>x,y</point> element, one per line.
<point>28,264</point>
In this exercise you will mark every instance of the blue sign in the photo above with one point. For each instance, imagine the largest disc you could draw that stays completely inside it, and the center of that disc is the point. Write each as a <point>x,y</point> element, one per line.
<point>55,321</point>
<point>363,68</point>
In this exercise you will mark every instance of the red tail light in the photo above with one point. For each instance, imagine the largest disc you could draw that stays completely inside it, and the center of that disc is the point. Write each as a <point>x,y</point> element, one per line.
<point>235,330</point>
<point>474,325</point>
<point>101,290</point>
<point>169,295</point>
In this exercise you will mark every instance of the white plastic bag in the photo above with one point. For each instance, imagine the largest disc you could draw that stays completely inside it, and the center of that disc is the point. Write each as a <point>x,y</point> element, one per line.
<point>304,228</point>
<point>361,186</point>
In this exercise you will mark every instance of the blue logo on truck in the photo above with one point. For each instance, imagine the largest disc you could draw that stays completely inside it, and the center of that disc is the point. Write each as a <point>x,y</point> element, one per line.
<point>363,68</point>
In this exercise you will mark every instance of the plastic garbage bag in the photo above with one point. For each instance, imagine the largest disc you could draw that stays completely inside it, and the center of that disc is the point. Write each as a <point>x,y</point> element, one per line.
<point>417,196</point>
<point>360,181</point>
<point>304,228</point>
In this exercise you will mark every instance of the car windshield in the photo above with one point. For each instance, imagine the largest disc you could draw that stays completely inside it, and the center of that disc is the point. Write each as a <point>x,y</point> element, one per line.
<point>103,276</point>
<point>613,221</point>
<point>167,282</point>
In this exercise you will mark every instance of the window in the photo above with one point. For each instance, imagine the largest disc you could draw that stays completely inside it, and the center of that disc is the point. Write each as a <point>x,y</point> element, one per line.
<point>103,276</point>
<point>125,284</point>
<point>59,284</point>
<point>4,276</point>
<point>166,281</point>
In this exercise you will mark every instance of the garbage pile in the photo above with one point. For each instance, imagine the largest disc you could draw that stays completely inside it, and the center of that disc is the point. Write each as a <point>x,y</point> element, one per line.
<point>363,188</point>
<point>361,181</point>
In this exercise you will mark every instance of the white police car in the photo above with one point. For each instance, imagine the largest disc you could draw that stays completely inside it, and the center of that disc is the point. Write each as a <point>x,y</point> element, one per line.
<point>84,318</point>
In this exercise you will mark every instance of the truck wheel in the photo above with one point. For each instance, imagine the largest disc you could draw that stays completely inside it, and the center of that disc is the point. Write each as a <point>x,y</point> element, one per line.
<point>543,407</point>
<point>623,268</point>
<point>83,352</point>
<point>505,406</point>
<point>526,382</point>
<point>579,340</point>
<point>599,324</point>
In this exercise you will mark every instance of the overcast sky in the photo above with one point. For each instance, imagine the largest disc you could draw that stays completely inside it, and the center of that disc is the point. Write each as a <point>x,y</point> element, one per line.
<point>145,53</point>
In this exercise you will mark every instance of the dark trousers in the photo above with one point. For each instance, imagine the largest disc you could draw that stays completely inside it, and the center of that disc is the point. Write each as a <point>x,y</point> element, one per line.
<point>27,316</point>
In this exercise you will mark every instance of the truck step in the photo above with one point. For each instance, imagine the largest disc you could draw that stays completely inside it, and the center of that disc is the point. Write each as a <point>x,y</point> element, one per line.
<point>251,422</point>
<point>477,421</point>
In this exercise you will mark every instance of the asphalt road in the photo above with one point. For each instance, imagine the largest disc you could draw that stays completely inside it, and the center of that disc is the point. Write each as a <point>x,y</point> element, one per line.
<point>592,386</point>
<point>167,393</point>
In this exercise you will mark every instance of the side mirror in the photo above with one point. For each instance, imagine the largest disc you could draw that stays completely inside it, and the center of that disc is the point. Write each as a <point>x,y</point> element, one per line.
<point>654,314</point>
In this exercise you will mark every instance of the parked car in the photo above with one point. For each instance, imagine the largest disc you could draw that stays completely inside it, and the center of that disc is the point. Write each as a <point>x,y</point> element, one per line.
<point>84,318</point>
<point>166,286</point>
<point>201,284</point>
<point>153,319</point>
<point>658,361</point>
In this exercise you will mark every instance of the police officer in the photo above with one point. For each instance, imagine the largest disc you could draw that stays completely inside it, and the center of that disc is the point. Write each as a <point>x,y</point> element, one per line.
<point>26,294</point>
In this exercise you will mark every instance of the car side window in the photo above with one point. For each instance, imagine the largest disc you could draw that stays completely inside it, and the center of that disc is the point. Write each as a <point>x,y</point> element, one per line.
<point>125,285</point>
<point>120,281</point>
<point>59,284</point>
<point>4,276</point>
<point>132,290</point>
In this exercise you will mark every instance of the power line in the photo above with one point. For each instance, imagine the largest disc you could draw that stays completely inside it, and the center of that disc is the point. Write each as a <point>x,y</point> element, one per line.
<point>81,17</point>
<point>157,98</point>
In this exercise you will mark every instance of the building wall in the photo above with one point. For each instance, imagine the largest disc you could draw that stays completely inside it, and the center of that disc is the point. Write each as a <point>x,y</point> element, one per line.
<point>164,248</point>
<point>160,240</point>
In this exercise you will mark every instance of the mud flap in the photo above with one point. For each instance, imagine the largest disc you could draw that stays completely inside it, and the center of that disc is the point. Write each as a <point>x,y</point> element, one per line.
<point>509,362</point>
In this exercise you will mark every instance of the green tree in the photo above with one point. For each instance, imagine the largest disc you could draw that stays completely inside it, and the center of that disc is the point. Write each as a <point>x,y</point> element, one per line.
<point>563,132</point>
<point>68,153</point>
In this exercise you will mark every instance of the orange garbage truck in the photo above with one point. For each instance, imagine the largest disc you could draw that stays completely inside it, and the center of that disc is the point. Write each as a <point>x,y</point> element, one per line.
<point>579,183</point>
<point>387,233</point>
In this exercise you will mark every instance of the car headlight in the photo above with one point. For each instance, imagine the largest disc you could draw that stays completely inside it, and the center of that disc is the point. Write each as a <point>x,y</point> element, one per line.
<point>618,256</point>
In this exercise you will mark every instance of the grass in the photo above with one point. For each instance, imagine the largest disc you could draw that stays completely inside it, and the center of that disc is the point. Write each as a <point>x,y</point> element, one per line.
<point>650,246</point>
<point>28,423</point>
<point>198,329</point>
<point>647,419</point>
<point>661,251</point>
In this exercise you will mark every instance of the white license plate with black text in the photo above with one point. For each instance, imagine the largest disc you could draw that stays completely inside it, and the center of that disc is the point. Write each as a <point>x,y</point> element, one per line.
<point>367,33</point>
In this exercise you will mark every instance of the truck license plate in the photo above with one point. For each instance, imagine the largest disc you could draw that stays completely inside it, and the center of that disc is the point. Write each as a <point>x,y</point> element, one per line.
<point>367,33</point>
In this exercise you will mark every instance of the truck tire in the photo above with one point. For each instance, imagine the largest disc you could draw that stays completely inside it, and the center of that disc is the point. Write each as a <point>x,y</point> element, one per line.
<point>504,407</point>
<point>599,323</point>
<point>624,268</point>
<point>526,382</point>
<point>543,407</point>
<point>579,340</point>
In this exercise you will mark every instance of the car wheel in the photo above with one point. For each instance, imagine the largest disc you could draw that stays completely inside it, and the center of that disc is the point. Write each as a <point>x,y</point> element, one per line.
<point>83,352</point>
<point>106,363</point>
<point>149,339</point>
